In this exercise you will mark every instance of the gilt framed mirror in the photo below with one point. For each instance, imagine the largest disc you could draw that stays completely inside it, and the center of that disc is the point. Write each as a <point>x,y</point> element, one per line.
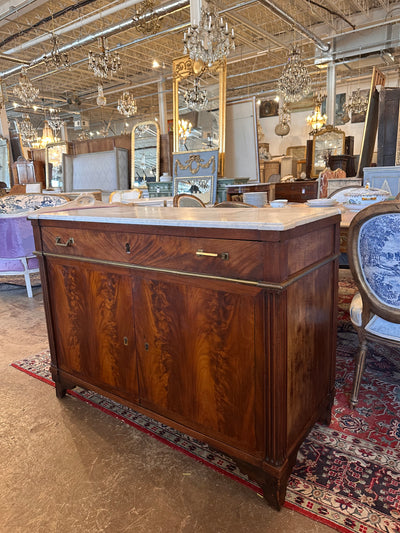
<point>145,153</point>
<point>5,172</point>
<point>326,142</point>
<point>199,100</point>
<point>54,164</point>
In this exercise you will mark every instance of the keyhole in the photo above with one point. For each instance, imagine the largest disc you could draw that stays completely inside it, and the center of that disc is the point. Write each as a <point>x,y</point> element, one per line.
<point>126,341</point>
<point>146,346</point>
<point>128,248</point>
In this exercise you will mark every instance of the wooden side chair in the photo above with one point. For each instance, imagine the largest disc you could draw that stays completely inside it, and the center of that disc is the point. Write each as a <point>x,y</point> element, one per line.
<point>374,259</point>
<point>187,200</point>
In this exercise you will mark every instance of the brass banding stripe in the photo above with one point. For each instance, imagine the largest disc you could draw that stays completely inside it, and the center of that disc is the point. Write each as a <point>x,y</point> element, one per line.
<point>261,284</point>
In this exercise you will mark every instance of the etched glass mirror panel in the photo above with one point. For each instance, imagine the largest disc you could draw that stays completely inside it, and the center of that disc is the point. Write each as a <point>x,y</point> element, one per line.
<point>145,153</point>
<point>54,165</point>
<point>199,107</point>
<point>328,141</point>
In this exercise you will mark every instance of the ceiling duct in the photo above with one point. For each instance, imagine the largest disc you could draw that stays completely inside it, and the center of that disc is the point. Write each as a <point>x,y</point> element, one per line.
<point>299,27</point>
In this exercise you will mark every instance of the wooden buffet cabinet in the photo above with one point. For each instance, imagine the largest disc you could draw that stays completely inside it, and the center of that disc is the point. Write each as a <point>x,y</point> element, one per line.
<point>223,330</point>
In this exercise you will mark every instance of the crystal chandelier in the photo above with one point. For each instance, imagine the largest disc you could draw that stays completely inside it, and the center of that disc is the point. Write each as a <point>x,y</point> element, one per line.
<point>210,40</point>
<point>357,103</point>
<point>145,19</point>
<point>316,120</point>
<point>283,126</point>
<point>25,91</point>
<point>26,130</point>
<point>104,63</point>
<point>196,98</point>
<point>56,58</point>
<point>101,100</point>
<point>295,81</point>
<point>185,127</point>
<point>55,122</point>
<point>127,104</point>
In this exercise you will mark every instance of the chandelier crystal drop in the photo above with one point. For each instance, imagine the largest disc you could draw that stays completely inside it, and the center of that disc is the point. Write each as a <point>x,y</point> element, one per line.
<point>146,21</point>
<point>316,120</point>
<point>104,64</point>
<point>25,91</point>
<point>26,130</point>
<point>56,58</point>
<point>196,98</point>
<point>184,129</point>
<point>55,122</point>
<point>127,104</point>
<point>283,126</point>
<point>101,100</point>
<point>295,81</point>
<point>357,103</point>
<point>211,40</point>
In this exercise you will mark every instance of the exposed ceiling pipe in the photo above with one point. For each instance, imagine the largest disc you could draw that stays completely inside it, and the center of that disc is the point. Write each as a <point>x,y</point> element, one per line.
<point>300,28</point>
<point>78,24</point>
<point>112,30</point>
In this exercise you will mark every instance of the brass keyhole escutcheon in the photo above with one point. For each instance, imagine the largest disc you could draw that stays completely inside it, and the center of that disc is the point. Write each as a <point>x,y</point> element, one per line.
<point>127,248</point>
<point>146,346</point>
<point>125,341</point>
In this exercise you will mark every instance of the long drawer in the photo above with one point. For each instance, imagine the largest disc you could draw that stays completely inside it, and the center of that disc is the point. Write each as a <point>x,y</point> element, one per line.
<point>219,257</point>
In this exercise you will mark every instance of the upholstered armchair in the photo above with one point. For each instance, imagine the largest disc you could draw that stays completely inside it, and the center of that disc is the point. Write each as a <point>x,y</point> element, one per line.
<point>374,259</point>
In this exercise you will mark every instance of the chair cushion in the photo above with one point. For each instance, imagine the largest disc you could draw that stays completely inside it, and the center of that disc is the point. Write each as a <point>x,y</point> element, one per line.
<point>377,326</point>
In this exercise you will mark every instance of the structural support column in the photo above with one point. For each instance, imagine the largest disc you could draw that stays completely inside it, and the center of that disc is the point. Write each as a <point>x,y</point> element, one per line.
<point>331,93</point>
<point>162,106</point>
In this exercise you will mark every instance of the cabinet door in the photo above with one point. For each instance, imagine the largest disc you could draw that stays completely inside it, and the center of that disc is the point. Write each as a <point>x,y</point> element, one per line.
<point>199,356</point>
<point>93,320</point>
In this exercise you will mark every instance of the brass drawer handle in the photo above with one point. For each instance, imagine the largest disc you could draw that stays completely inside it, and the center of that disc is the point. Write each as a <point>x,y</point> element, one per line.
<point>69,242</point>
<point>224,255</point>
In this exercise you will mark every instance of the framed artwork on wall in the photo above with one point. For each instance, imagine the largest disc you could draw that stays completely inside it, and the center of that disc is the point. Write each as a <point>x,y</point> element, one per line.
<point>269,108</point>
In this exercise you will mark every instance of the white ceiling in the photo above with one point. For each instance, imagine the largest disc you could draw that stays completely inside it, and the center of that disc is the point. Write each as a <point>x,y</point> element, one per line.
<point>360,34</point>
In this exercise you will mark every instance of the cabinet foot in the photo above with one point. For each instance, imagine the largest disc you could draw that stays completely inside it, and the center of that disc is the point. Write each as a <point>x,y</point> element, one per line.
<point>61,390</point>
<point>273,485</point>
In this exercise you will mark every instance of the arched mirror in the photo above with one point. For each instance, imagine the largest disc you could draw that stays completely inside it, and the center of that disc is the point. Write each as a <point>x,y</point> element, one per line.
<point>145,153</point>
<point>5,173</point>
<point>54,164</point>
<point>327,141</point>
<point>199,95</point>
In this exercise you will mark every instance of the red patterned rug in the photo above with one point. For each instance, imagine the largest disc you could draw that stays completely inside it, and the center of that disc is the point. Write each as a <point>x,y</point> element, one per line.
<point>347,475</point>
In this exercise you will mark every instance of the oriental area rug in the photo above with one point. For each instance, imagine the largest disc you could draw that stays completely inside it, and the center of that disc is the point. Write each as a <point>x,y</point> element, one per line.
<point>347,475</point>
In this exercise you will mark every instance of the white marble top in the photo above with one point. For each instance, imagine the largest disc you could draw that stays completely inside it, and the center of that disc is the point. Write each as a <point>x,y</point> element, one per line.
<point>247,218</point>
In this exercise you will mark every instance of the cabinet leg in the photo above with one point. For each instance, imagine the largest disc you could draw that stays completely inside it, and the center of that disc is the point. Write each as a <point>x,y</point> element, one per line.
<point>61,389</point>
<point>326,413</point>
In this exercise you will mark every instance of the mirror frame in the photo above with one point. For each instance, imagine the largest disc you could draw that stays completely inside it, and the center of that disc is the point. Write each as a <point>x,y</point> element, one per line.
<point>47,162</point>
<point>184,67</point>
<point>5,143</point>
<point>153,123</point>
<point>326,129</point>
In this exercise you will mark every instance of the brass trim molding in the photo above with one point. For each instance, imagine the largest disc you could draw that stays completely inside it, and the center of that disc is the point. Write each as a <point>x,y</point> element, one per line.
<point>260,284</point>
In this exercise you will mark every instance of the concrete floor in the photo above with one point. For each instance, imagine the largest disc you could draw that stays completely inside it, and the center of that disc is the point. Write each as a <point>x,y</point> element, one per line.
<point>65,466</point>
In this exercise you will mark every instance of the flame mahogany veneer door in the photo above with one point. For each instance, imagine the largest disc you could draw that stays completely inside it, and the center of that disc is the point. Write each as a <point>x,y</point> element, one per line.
<point>199,349</point>
<point>92,309</point>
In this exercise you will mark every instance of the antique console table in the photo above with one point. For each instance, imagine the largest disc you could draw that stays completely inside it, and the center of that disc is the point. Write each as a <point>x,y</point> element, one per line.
<point>294,191</point>
<point>220,323</point>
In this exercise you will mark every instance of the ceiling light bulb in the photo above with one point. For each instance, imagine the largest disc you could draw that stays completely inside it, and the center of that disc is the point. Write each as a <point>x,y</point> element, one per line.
<point>156,64</point>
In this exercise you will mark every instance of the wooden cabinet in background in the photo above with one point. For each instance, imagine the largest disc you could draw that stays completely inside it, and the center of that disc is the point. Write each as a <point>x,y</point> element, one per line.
<point>25,171</point>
